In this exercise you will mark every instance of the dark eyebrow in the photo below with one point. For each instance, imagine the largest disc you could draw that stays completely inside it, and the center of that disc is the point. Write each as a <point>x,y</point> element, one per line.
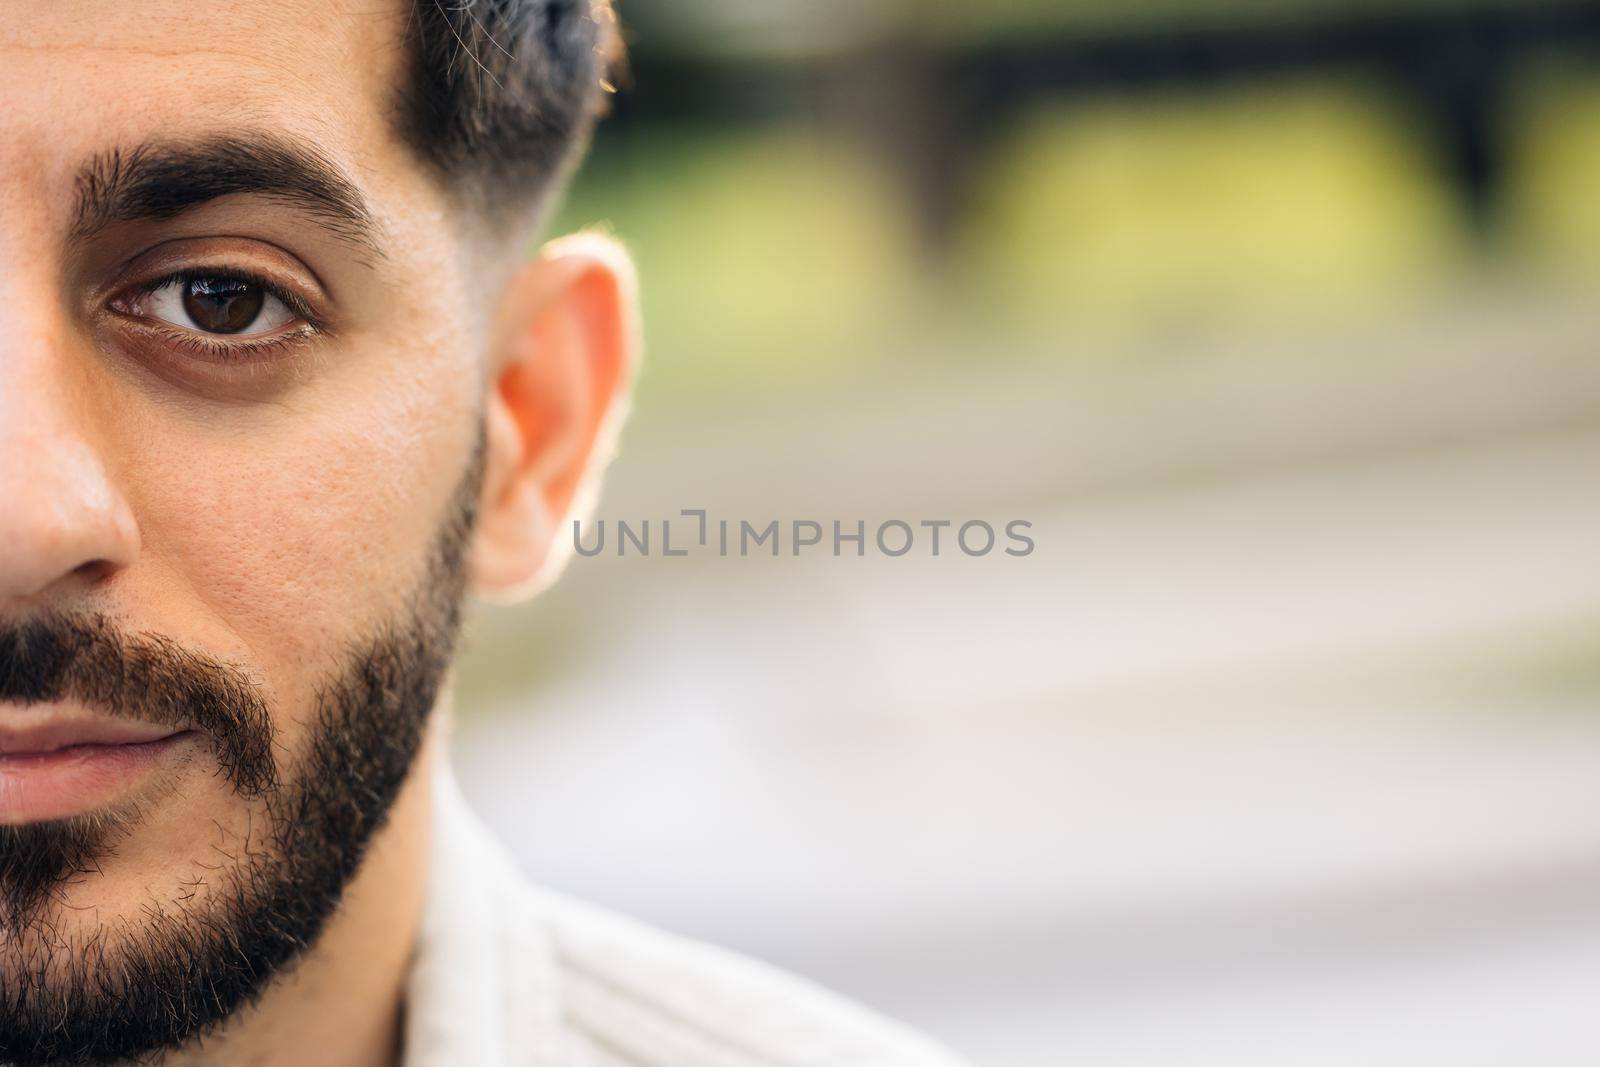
<point>159,180</point>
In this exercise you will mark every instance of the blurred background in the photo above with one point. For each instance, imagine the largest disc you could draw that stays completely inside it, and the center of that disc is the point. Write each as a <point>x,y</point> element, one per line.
<point>1277,320</point>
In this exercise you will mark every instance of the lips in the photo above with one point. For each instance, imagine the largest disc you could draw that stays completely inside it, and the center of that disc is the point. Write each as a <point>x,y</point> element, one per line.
<point>56,762</point>
<point>58,732</point>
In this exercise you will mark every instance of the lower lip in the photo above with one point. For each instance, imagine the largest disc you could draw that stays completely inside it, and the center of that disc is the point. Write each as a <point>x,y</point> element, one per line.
<point>36,786</point>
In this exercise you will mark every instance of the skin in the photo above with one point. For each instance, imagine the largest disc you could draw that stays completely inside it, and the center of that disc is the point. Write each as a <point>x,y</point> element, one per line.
<point>269,512</point>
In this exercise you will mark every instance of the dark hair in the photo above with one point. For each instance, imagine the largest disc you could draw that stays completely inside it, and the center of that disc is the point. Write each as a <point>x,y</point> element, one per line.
<point>503,94</point>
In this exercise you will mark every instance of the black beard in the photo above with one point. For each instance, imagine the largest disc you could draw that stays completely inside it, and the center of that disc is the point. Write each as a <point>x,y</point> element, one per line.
<point>136,991</point>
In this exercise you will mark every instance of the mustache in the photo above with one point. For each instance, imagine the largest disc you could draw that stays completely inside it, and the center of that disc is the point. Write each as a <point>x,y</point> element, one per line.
<point>147,677</point>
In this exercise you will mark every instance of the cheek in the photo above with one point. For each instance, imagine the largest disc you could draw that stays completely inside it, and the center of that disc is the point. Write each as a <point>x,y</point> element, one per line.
<point>294,528</point>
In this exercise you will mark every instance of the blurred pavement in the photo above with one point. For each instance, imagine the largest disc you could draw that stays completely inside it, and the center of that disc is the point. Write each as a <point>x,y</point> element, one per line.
<point>1279,749</point>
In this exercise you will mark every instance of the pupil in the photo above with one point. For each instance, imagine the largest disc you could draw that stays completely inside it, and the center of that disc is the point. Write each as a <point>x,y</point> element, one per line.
<point>222,305</point>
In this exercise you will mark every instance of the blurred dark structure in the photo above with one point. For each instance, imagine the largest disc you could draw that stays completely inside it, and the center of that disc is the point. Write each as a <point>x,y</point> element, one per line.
<point>933,101</point>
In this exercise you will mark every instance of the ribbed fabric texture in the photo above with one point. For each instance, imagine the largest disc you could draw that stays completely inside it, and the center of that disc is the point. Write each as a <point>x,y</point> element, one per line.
<point>507,975</point>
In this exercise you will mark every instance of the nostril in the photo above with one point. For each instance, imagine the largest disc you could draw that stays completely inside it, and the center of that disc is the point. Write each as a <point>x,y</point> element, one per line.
<point>93,572</point>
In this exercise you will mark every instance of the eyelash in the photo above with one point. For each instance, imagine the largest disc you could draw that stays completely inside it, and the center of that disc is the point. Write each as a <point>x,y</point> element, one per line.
<point>215,348</point>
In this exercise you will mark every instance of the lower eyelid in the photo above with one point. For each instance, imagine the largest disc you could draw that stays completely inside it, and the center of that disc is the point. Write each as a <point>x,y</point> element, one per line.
<point>158,342</point>
<point>244,351</point>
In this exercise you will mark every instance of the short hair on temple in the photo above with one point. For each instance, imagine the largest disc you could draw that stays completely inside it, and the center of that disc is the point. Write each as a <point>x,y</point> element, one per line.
<point>503,94</point>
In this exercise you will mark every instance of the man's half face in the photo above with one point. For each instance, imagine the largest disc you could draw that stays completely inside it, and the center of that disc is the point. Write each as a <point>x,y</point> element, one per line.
<point>240,434</point>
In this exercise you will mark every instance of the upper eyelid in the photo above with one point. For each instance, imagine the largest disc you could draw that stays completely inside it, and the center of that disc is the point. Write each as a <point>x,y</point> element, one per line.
<point>280,270</point>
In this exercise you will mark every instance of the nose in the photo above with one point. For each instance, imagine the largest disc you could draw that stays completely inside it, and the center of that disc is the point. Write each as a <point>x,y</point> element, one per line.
<point>64,526</point>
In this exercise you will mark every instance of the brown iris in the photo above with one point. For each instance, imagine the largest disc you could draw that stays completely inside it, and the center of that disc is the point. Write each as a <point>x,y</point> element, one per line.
<point>222,305</point>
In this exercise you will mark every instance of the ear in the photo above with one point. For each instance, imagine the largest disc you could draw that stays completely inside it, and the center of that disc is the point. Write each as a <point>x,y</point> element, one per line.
<point>561,367</point>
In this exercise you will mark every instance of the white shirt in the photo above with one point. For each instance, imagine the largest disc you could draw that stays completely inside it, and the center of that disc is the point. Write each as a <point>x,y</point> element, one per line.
<point>507,975</point>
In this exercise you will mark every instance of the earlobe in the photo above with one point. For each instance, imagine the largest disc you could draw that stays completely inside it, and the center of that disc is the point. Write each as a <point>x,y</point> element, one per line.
<point>514,526</point>
<point>563,362</point>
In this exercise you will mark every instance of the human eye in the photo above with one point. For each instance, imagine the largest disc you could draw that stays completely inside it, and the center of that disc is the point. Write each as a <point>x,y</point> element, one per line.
<point>218,304</point>
<point>219,314</point>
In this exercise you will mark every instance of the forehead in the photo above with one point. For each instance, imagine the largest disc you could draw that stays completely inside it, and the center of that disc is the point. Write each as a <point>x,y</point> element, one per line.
<point>79,77</point>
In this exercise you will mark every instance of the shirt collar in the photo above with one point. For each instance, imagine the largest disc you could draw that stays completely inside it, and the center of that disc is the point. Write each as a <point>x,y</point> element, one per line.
<point>482,986</point>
